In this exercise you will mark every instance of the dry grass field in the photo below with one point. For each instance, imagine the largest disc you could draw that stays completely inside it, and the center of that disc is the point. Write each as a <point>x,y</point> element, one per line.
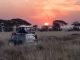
<point>56,46</point>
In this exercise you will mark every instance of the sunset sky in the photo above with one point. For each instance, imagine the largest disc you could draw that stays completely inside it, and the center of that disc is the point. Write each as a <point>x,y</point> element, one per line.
<point>40,11</point>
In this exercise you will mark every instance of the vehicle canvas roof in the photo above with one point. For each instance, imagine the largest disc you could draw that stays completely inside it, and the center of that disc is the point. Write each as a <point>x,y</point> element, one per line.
<point>25,26</point>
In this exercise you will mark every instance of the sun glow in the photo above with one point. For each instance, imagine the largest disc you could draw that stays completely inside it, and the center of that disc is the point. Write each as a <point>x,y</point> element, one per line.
<point>46,23</point>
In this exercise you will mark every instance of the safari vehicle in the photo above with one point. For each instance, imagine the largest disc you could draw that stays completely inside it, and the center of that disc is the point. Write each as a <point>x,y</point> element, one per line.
<point>23,34</point>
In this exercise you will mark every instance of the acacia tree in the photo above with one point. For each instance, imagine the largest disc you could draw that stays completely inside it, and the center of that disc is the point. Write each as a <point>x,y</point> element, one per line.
<point>19,21</point>
<point>76,25</point>
<point>57,24</point>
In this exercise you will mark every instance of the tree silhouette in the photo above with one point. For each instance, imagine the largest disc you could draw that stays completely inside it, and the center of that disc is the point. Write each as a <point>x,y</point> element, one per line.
<point>7,25</point>
<point>57,24</point>
<point>19,21</point>
<point>76,25</point>
<point>44,28</point>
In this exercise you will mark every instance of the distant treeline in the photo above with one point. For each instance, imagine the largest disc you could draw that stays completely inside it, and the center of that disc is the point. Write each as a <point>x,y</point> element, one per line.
<point>57,25</point>
<point>60,25</point>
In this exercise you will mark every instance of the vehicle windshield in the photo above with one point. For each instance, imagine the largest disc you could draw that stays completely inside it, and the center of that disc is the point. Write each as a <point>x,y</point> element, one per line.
<point>27,30</point>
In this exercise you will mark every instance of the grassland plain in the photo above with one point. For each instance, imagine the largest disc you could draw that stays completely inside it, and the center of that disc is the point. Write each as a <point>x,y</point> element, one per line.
<point>56,46</point>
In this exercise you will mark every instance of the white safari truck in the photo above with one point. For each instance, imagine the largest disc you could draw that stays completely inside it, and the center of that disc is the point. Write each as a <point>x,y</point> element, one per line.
<point>23,34</point>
